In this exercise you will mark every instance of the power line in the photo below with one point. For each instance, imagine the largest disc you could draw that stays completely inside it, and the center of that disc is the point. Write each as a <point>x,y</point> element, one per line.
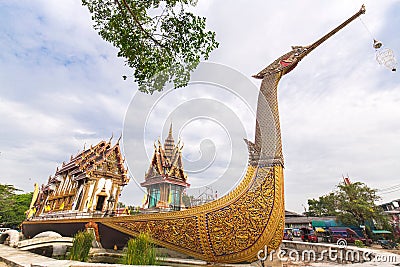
<point>387,192</point>
<point>389,188</point>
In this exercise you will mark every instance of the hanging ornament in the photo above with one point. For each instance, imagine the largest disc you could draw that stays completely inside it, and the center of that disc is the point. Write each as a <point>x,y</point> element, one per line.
<point>377,44</point>
<point>385,56</point>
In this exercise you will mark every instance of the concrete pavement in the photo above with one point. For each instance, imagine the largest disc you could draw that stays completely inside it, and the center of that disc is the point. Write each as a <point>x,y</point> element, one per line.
<point>18,258</point>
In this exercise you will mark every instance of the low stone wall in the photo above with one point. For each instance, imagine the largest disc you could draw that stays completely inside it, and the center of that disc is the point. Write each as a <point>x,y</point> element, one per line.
<point>12,237</point>
<point>314,252</point>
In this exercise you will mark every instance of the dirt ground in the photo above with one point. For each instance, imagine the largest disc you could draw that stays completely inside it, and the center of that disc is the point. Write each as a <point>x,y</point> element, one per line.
<point>2,264</point>
<point>378,247</point>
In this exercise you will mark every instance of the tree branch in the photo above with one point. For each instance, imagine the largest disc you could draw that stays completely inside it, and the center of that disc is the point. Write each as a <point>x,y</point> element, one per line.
<point>159,18</point>
<point>138,23</point>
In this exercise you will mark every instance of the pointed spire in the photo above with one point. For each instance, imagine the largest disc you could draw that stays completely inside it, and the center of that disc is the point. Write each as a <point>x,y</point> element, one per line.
<point>170,131</point>
<point>169,143</point>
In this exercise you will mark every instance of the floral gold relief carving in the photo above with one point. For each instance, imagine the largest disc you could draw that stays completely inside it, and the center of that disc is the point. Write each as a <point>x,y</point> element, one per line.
<point>231,229</point>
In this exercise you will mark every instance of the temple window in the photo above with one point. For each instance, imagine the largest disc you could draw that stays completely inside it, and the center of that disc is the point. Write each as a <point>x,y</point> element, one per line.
<point>154,196</point>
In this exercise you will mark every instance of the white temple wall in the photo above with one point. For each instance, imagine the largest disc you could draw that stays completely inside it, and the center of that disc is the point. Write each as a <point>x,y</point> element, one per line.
<point>89,196</point>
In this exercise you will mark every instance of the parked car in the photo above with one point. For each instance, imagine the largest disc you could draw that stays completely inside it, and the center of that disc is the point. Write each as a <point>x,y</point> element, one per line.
<point>2,230</point>
<point>347,234</point>
<point>388,244</point>
<point>287,234</point>
<point>296,232</point>
<point>308,235</point>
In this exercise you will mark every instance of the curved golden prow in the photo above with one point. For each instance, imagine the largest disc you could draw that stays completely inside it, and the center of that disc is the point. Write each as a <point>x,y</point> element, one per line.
<point>237,226</point>
<point>231,229</point>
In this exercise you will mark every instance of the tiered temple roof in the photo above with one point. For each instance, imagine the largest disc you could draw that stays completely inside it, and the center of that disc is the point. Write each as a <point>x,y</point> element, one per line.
<point>93,177</point>
<point>166,164</point>
<point>99,159</point>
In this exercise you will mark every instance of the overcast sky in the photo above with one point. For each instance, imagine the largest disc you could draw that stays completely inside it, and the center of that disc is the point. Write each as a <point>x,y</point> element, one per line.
<point>61,88</point>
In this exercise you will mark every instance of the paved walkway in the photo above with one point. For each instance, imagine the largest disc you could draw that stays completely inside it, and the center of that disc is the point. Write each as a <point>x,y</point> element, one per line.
<point>18,258</point>
<point>15,257</point>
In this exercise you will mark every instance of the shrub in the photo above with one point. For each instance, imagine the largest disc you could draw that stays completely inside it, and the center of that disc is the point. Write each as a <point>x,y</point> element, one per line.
<point>359,243</point>
<point>140,251</point>
<point>81,246</point>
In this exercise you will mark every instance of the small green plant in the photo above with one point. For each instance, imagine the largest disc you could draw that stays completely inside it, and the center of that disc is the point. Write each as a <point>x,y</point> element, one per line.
<point>140,251</point>
<point>81,246</point>
<point>359,244</point>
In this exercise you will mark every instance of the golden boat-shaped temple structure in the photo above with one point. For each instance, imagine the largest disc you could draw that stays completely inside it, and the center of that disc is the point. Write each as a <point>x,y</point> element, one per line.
<point>233,228</point>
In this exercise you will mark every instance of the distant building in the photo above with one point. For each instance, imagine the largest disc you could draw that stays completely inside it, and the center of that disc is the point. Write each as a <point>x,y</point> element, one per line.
<point>165,179</point>
<point>390,206</point>
<point>392,209</point>
<point>204,197</point>
<point>295,220</point>
<point>91,181</point>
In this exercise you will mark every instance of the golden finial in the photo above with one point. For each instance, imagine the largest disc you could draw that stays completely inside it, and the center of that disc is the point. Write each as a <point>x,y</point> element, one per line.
<point>112,135</point>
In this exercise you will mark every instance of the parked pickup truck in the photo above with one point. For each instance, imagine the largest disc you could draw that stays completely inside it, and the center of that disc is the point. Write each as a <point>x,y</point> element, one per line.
<point>347,234</point>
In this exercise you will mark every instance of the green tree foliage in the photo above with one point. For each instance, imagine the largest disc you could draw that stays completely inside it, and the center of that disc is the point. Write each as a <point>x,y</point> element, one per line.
<point>352,204</point>
<point>160,40</point>
<point>323,206</point>
<point>356,203</point>
<point>133,210</point>
<point>13,206</point>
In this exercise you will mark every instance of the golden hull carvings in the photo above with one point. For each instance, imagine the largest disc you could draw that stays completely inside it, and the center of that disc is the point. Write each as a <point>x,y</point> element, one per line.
<point>236,227</point>
<point>231,229</point>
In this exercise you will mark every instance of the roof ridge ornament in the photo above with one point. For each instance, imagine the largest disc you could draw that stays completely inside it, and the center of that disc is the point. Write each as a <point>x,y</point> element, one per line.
<point>112,136</point>
<point>119,139</point>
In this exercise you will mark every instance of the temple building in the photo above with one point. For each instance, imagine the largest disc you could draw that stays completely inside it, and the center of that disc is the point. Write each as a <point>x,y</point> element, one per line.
<point>165,179</point>
<point>91,181</point>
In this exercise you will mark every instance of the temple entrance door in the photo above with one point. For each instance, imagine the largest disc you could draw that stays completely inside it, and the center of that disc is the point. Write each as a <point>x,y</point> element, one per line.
<point>100,203</point>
